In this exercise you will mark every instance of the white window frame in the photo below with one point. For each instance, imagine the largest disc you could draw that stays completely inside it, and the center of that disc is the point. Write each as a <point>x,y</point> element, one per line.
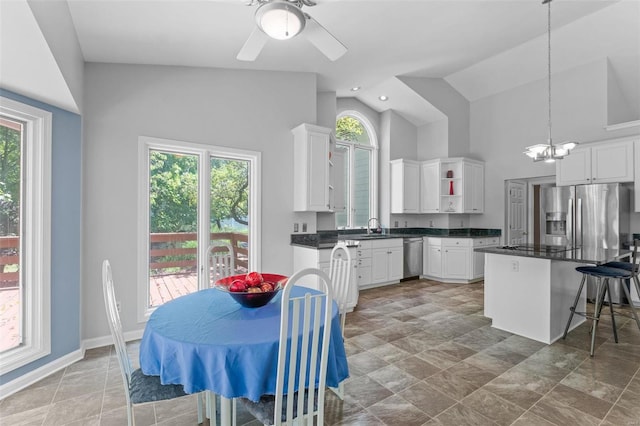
<point>204,153</point>
<point>373,178</point>
<point>35,235</point>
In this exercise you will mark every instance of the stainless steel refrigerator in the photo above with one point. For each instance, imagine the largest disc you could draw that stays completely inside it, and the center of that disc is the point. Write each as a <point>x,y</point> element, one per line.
<point>596,216</point>
<point>584,215</point>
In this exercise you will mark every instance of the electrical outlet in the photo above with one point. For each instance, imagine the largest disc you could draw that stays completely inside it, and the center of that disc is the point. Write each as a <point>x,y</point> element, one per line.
<point>462,224</point>
<point>515,266</point>
<point>118,306</point>
<point>295,227</point>
<point>405,223</point>
<point>304,227</point>
<point>395,224</point>
<point>430,224</point>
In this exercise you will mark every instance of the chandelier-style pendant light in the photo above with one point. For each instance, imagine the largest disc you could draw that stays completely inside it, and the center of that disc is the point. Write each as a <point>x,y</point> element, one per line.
<point>549,152</point>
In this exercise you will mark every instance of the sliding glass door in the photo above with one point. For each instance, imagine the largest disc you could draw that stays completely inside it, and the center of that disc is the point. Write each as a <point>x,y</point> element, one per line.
<point>194,196</point>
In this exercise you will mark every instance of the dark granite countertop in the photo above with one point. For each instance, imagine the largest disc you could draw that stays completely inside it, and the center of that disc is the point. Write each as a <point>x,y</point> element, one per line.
<point>579,255</point>
<point>328,239</point>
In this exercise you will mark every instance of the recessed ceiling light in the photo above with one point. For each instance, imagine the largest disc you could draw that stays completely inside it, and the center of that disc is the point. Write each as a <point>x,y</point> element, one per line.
<point>383,98</point>
<point>355,89</point>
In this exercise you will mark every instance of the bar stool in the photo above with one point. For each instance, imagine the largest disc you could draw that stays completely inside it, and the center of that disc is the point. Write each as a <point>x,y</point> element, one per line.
<point>632,268</point>
<point>602,274</point>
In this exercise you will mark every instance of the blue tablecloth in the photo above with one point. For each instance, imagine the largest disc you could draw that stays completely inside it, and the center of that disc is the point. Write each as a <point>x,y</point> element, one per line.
<point>207,341</point>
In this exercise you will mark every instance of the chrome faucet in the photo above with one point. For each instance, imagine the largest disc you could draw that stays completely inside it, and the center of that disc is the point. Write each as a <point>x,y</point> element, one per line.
<point>369,223</point>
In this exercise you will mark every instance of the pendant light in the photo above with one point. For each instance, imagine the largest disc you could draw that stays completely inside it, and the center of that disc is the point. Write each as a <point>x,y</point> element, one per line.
<point>549,152</point>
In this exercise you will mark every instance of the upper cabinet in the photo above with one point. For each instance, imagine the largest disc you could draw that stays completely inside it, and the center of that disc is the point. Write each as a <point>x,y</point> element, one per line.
<point>317,182</point>
<point>473,191</point>
<point>405,186</point>
<point>602,162</point>
<point>444,185</point>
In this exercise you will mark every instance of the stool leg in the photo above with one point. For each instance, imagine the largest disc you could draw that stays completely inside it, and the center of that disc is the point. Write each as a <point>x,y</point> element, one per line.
<point>596,312</point>
<point>573,308</point>
<point>633,308</point>
<point>613,318</point>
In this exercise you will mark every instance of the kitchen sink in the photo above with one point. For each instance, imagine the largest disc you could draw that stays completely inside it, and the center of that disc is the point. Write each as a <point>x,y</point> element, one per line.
<point>368,236</point>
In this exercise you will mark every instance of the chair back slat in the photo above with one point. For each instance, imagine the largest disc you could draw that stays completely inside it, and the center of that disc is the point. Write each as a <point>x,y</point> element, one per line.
<point>115,326</point>
<point>340,273</point>
<point>220,261</point>
<point>305,330</point>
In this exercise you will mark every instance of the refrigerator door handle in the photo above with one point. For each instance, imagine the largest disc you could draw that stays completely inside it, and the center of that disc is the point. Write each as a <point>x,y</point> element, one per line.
<point>579,223</point>
<point>570,230</point>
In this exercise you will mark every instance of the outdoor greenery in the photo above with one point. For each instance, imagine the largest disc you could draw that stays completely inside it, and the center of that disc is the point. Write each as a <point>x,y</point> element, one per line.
<point>9,181</point>
<point>350,129</point>
<point>174,193</point>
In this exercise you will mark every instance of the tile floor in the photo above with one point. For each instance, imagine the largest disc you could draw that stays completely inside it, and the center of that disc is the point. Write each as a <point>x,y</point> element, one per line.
<point>420,353</point>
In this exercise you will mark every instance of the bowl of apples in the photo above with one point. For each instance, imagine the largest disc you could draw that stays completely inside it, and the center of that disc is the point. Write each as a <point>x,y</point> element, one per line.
<point>252,290</point>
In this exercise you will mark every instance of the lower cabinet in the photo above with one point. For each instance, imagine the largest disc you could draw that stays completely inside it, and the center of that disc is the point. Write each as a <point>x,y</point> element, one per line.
<point>304,257</point>
<point>454,260</point>
<point>379,262</point>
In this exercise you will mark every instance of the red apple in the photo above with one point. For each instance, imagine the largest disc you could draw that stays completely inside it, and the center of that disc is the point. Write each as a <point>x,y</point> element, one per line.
<point>266,286</point>
<point>238,286</point>
<point>253,279</point>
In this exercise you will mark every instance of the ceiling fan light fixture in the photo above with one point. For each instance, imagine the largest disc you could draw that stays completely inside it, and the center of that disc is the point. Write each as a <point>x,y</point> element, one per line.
<point>280,20</point>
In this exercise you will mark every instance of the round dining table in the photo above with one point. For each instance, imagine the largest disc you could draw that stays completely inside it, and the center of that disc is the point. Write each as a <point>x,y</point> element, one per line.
<point>207,341</point>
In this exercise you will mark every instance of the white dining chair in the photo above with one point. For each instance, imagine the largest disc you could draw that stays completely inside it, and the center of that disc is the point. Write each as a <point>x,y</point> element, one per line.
<point>220,261</point>
<point>340,269</point>
<point>139,388</point>
<point>303,349</point>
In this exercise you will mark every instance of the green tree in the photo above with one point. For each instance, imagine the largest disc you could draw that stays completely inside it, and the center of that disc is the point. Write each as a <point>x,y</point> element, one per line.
<point>349,129</point>
<point>9,180</point>
<point>173,192</point>
<point>229,191</point>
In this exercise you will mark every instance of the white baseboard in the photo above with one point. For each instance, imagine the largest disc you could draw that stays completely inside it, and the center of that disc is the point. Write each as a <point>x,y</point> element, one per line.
<point>27,379</point>
<point>98,342</point>
<point>40,373</point>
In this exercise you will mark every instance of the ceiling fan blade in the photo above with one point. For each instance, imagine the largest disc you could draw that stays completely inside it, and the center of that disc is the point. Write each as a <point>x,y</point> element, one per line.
<point>324,40</point>
<point>253,46</point>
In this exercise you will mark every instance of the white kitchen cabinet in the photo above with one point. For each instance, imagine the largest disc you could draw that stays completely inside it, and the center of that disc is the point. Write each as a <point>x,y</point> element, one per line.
<point>432,257</point>
<point>337,169</point>
<point>430,186</point>
<point>636,174</point>
<point>600,162</point>
<point>405,186</point>
<point>478,258</point>
<point>473,189</point>
<point>315,188</point>
<point>454,260</point>
<point>363,258</point>
<point>386,261</point>
<point>309,257</point>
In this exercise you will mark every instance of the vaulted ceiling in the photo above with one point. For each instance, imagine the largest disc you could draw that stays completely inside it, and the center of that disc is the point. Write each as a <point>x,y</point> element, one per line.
<point>480,47</point>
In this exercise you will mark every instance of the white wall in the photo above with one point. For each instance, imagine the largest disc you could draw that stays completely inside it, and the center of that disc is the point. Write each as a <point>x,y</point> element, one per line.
<point>433,140</point>
<point>504,124</point>
<point>453,105</point>
<point>242,109</point>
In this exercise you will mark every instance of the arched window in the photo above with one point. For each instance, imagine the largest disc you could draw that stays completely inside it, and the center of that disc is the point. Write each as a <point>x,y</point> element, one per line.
<point>357,139</point>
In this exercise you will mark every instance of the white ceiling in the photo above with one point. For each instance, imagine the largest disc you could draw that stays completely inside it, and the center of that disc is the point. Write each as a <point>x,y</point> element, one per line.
<point>480,46</point>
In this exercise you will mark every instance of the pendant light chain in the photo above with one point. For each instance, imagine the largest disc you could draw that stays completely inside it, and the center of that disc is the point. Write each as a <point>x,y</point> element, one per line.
<point>549,63</point>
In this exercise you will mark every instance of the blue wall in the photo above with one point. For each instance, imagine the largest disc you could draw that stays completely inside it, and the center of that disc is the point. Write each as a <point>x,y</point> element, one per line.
<point>66,190</point>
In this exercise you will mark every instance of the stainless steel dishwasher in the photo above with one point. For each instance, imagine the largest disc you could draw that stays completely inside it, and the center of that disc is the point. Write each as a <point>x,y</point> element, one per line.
<point>412,257</point>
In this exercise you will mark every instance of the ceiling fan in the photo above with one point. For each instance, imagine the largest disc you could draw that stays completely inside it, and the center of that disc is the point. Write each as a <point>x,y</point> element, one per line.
<point>284,19</point>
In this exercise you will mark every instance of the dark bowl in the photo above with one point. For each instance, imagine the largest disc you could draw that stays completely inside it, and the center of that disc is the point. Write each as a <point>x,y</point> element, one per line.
<point>252,300</point>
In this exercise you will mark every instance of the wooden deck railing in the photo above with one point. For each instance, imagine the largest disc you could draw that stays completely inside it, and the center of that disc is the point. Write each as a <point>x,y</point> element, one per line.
<point>9,256</point>
<point>168,250</point>
<point>178,251</point>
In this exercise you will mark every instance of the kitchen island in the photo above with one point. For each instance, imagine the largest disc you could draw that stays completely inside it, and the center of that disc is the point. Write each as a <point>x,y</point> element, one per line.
<point>528,289</point>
